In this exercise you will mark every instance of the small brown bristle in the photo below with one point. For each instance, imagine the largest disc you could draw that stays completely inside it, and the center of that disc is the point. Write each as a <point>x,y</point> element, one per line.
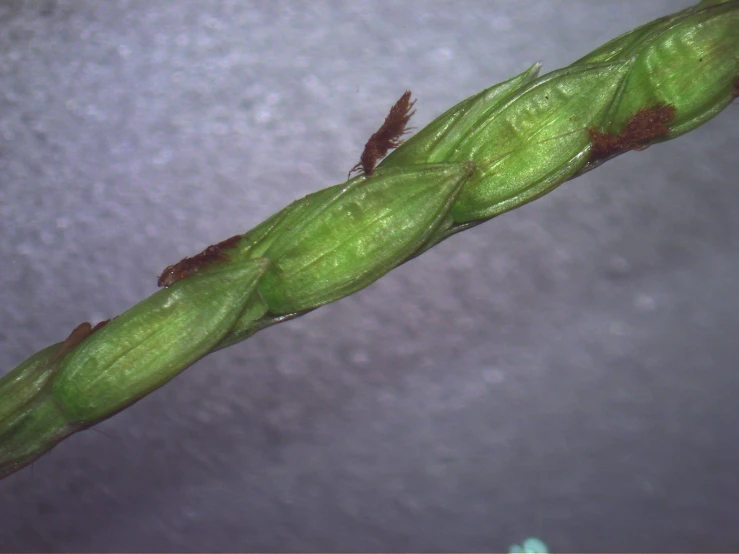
<point>100,324</point>
<point>188,266</point>
<point>75,338</point>
<point>228,243</point>
<point>640,131</point>
<point>387,136</point>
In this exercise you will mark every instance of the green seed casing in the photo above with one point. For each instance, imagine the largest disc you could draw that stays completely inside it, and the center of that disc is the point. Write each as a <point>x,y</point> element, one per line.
<point>152,342</point>
<point>357,234</point>
<point>492,152</point>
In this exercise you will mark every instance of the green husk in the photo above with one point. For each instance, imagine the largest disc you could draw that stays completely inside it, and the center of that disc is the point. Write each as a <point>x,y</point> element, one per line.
<point>492,152</point>
<point>359,233</point>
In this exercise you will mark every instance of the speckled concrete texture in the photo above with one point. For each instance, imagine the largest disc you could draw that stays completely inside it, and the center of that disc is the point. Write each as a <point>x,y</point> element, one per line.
<point>568,370</point>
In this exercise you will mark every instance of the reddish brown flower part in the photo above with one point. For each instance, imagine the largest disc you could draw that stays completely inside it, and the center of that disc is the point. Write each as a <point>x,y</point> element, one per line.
<point>99,325</point>
<point>75,338</point>
<point>387,136</point>
<point>644,126</point>
<point>187,266</point>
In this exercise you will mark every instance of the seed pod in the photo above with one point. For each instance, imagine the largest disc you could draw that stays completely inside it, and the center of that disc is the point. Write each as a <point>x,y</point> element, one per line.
<point>284,223</point>
<point>434,142</point>
<point>536,140</point>
<point>32,430</point>
<point>155,340</point>
<point>357,233</point>
<point>256,243</point>
<point>23,384</point>
<point>702,42</point>
<point>623,46</point>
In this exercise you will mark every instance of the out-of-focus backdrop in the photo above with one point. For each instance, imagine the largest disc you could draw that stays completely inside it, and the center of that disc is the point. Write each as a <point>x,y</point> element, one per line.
<point>567,370</point>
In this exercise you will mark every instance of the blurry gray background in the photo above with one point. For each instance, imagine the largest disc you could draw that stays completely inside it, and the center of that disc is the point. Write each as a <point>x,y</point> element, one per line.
<point>568,370</point>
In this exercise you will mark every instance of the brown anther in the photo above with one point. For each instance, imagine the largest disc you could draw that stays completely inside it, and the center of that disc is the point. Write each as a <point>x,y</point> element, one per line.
<point>387,136</point>
<point>644,126</point>
<point>187,266</point>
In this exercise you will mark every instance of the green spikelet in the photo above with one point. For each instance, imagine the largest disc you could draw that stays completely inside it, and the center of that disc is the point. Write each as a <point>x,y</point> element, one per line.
<point>493,152</point>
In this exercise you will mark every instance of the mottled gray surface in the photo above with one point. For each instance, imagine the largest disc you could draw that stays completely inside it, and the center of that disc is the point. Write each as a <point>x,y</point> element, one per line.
<point>567,371</point>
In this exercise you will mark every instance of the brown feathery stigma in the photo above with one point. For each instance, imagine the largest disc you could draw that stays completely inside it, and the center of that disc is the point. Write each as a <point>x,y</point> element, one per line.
<point>387,136</point>
<point>644,126</point>
<point>187,266</point>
